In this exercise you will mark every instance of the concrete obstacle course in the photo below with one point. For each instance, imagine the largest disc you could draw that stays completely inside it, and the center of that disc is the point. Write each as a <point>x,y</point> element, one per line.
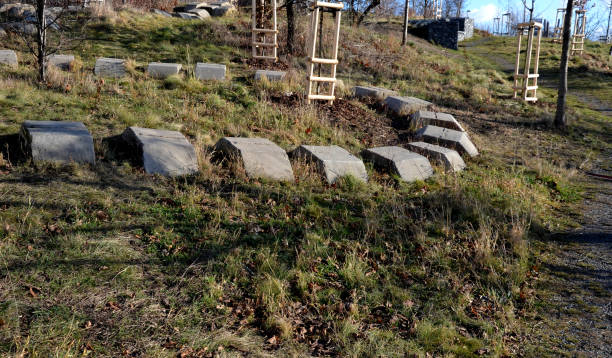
<point>422,118</point>
<point>63,62</point>
<point>163,152</point>
<point>210,71</point>
<point>110,67</point>
<point>332,162</point>
<point>448,157</point>
<point>373,92</point>
<point>57,141</point>
<point>402,106</point>
<point>448,137</point>
<point>163,70</point>
<point>260,157</point>
<point>8,57</point>
<point>408,165</point>
<point>270,75</point>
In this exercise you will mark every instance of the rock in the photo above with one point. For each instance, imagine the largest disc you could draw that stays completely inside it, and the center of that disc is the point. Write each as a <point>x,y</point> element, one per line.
<point>210,71</point>
<point>449,158</point>
<point>402,106</point>
<point>202,13</point>
<point>163,152</point>
<point>161,12</point>
<point>162,70</point>
<point>270,75</point>
<point>110,67</point>
<point>410,166</point>
<point>61,61</point>
<point>16,11</point>
<point>8,57</point>
<point>186,15</point>
<point>332,162</point>
<point>61,142</point>
<point>422,118</point>
<point>448,137</point>
<point>373,92</point>
<point>260,157</point>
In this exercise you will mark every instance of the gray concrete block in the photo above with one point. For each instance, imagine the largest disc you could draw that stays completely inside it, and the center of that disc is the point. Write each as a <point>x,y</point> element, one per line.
<point>410,166</point>
<point>448,137</point>
<point>162,70</point>
<point>202,13</point>
<point>260,157</point>
<point>422,118</point>
<point>448,157</point>
<point>57,141</point>
<point>110,67</point>
<point>161,12</point>
<point>373,92</point>
<point>402,106</point>
<point>186,16</point>
<point>8,57</point>
<point>210,71</point>
<point>332,161</point>
<point>270,75</point>
<point>61,61</point>
<point>163,152</point>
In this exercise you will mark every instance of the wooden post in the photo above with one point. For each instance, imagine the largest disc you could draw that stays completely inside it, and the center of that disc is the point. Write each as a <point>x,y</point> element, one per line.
<point>526,76</point>
<point>518,60</point>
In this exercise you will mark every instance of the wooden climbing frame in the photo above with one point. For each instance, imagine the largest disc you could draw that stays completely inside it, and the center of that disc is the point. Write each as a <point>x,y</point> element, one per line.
<point>579,32</point>
<point>264,41</point>
<point>316,81</point>
<point>559,24</point>
<point>506,24</point>
<point>527,82</point>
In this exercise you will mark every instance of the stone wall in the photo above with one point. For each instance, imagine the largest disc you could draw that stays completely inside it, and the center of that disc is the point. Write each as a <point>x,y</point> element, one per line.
<point>444,32</point>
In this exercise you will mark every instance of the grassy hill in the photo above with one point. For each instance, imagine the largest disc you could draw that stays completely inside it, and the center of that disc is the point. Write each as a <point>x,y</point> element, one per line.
<point>109,261</point>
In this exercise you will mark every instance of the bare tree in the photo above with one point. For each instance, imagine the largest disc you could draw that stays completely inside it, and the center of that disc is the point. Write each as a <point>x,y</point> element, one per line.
<point>529,9</point>
<point>560,118</point>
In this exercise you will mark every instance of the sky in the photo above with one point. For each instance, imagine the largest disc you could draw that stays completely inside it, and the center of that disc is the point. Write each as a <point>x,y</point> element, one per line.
<point>483,11</point>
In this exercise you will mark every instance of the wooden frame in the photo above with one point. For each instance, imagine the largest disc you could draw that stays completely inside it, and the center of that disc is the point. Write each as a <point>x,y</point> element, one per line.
<point>437,9</point>
<point>522,80</point>
<point>315,17</point>
<point>506,24</point>
<point>559,24</point>
<point>496,27</point>
<point>579,32</point>
<point>262,48</point>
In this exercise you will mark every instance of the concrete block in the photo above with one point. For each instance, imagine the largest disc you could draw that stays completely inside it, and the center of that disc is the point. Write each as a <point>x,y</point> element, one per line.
<point>162,70</point>
<point>61,61</point>
<point>410,166</point>
<point>332,162</point>
<point>202,13</point>
<point>8,57</point>
<point>422,118</point>
<point>402,106</point>
<point>270,75</point>
<point>448,137</point>
<point>260,157</point>
<point>210,71</point>
<point>186,15</point>
<point>110,67</point>
<point>163,152</point>
<point>448,157</point>
<point>161,12</point>
<point>57,141</point>
<point>373,92</point>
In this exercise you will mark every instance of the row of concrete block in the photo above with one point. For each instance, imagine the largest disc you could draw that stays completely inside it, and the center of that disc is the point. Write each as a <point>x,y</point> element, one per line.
<point>169,153</point>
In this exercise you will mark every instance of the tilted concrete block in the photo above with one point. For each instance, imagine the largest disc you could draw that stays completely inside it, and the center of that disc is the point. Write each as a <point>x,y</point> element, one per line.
<point>410,166</point>
<point>57,141</point>
<point>448,157</point>
<point>422,118</point>
<point>448,137</point>
<point>373,92</point>
<point>402,106</point>
<point>210,71</point>
<point>332,162</point>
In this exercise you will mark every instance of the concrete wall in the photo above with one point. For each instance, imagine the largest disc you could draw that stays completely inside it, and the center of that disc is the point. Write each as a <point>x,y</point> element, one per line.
<point>444,32</point>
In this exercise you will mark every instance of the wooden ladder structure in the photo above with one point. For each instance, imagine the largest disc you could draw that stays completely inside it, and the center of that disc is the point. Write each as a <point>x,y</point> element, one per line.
<point>559,24</point>
<point>437,9</point>
<point>579,32</point>
<point>315,17</point>
<point>522,80</point>
<point>264,41</point>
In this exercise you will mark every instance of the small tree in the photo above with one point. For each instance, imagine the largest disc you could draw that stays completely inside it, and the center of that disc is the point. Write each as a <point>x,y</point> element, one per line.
<point>560,118</point>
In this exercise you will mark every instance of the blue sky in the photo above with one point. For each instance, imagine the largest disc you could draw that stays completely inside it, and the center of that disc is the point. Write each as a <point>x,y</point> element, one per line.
<point>483,11</point>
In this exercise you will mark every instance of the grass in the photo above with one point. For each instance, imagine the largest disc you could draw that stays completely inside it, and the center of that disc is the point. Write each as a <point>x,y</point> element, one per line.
<point>106,260</point>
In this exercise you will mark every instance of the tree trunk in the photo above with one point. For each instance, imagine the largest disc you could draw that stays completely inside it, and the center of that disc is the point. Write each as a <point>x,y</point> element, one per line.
<point>370,7</point>
<point>41,40</point>
<point>560,118</point>
<point>290,27</point>
<point>405,28</point>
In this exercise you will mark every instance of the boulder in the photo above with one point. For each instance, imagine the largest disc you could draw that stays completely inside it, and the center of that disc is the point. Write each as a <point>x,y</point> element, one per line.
<point>61,61</point>
<point>210,71</point>
<point>57,141</point>
<point>270,75</point>
<point>163,152</point>
<point>402,106</point>
<point>373,92</point>
<point>409,166</point>
<point>110,67</point>
<point>8,57</point>
<point>422,118</point>
<point>260,157</point>
<point>449,158</point>
<point>162,70</point>
<point>448,137</point>
<point>332,162</point>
